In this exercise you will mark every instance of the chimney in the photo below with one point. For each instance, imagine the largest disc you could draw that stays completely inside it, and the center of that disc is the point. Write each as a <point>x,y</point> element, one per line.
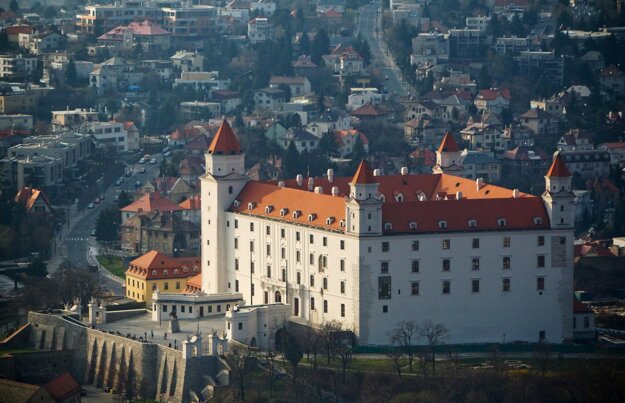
<point>479,182</point>
<point>319,189</point>
<point>311,183</point>
<point>330,175</point>
<point>281,184</point>
<point>404,170</point>
<point>335,190</point>
<point>458,195</point>
<point>300,179</point>
<point>515,193</point>
<point>377,172</point>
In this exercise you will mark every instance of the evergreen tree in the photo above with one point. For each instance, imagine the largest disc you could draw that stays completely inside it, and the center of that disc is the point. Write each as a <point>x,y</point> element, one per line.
<point>37,269</point>
<point>124,200</point>
<point>320,46</point>
<point>358,152</point>
<point>14,6</point>
<point>71,75</point>
<point>292,164</point>
<point>304,44</point>
<point>328,144</point>
<point>107,224</point>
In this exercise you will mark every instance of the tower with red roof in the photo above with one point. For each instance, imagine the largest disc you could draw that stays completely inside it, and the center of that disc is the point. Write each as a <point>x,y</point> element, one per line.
<point>222,182</point>
<point>449,157</point>
<point>558,195</point>
<point>364,209</point>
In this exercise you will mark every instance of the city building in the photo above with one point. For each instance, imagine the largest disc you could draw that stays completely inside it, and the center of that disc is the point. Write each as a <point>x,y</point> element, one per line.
<point>431,47</point>
<point>155,271</point>
<point>146,34</point>
<point>616,151</point>
<point>575,139</point>
<point>588,164</point>
<point>73,119</point>
<point>187,61</point>
<point>147,203</point>
<point>17,66</point>
<point>259,30</point>
<point>298,86</point>
<point>493,99</point>
<point>16,122</point>
<point>511,45</point>
<point>34,201</point>
<point>613,80</point>
<point>540,122</point>
<point>373,250</point>
<point>120,136</point>
<point>541,65</point>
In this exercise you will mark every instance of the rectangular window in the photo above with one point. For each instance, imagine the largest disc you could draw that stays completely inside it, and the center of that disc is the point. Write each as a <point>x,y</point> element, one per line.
<point>269,271</point>
<point>415,266</point>
<point>342,264</point>
<point>325,306</point>
<point>475,263</point>
<point>385,246</point>
<point>298,276</point>
<point>236,223</point>
<point>414,288</point>
<point>384,267</point>
<point>342,287</point>
<point>312,303</point>
<point>325,241</point>
<point>236,285</point>
<point>282,233</point>
<point>475,286</point>
<point>298,256</point>
<point>476,243</point>
<point>166,286</point>
<point>252,227</point>
<point>540,283</point>
<point>384,287</point>
<point>342,244</point>
<point>252,246</point>
<point>586,322</point>
<point>177,285</point>
<point>540,261</point>
<point>311,258</point>
<point>384,308</point>
<point>311,238</point>
<point>283,253</point>
<point>446,243</point>
<point>268,248</point>
<point>541,240</point>
<point>283,275</point>
<point>253,289</point>
<point>267,230</point>
<point>342,310</point>
<point>312,280</point>
<point>446,264</point>
<point>236,243</point>
<point>252,267</point>
<point>325,283</point>
<point>446,287</point>
<point>506,262</point>
<point>505,283</point>
<point>297,236</point>
<point>210,307</point>
<point>506,242</point>
<point>415,245</point>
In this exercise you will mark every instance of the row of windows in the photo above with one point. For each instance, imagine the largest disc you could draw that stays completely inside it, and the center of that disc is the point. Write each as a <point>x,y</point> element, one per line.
<point>384,286</point>
<point>475,264</point>
<point>322,262</point>
<point>325,306</point>
<point>298,235</point>
<point>446,243</point>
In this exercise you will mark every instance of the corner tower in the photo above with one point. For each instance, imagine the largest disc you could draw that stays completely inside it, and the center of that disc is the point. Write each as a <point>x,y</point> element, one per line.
<point>449,157</point>
<point>221,183</point>
<point>558,196</point>
<point>364,209</point>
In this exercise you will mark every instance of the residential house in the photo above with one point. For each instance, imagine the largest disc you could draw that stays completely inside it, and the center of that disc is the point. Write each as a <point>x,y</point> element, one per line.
<point>344,60</point>
<point>196,80</point>
<point>370,114</point>
<point>612,80</point>
<point>188,61</point>
<point>150,202</point>
<point>479,164</point>
<point>457,82</point>
<point>148,35</point>
<point>163,231</point>
<point>576,139</point>
<point>269,99</point>
<point>306,107</point>
<point>303,66</point>
<point>516,135</point>
<point>579,92</point>
<point>483,136</point>
<point>588,164</point>
<point>494,100</point>
<point>346,139</point>
<point>275,132</point>
<point>199,110</point>
<point>191,209</point>
<point>14,66</point>
<point>34,201</point>
<point>42,42</point>
<point>228,99</point>
<point>453,107</point>
<point>17,121</point>
<point>554,105</point>
<point>326,5</point>
<point>121,136</point>
<point>616,151</point>
<point>298,86</point>
<point>525,161</point>
<point>21,98</point>
<point>156,271</point>
<point>424,131</point>
<point>583,322</point>
<point>540,122</point>
<point>189,22</point>
<point>430,48</point>
<point>303,139</point>
<point>418,109</point>
<point>259,30</point>
<point>329,119</point>
<point>593,59</point>
<point>113,74</point>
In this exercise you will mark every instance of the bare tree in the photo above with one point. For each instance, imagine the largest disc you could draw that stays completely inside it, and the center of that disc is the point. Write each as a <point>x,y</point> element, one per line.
<point>542,352</point>
<point>244,360</point>
<point>404,335</point>
<point>312,341</point>
<point>329,338</point>
<point>396,355</point>
<point>434,333</point>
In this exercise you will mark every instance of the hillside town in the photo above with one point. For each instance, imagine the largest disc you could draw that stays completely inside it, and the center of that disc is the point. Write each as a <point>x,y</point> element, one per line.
<point>200,197</point>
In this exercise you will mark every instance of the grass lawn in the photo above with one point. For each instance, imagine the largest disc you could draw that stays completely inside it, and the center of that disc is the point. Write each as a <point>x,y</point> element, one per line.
<point>113,264</point>
<point>16,351</point>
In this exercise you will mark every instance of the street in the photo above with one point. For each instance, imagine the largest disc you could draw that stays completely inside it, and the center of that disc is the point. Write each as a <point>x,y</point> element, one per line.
<point>80,246</point>
<point>370,23</point>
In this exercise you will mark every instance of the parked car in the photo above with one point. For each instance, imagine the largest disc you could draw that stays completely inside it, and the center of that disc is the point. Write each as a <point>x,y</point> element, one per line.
<point>118,182</point>
<point>167,154</point>
<point>142,161</point>
<point>152,161</point>
<point>102,196</point>
<point>97,200</point>
<point>90,205</point>
<point>93,233</point>
<point>142,170</point>
<point>137,184</point>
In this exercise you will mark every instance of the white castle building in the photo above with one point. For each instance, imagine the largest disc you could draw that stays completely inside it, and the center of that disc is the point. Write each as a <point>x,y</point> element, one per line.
<point>372,250</point>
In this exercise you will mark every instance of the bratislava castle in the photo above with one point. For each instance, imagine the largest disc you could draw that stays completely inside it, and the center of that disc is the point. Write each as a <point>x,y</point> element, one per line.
<point>372,250</point>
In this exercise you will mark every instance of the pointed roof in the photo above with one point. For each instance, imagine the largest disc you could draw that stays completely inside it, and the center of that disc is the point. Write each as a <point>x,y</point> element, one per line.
<point>225,141</point>
<point>151,202</point>
<point>448,144</point>
<point>558,168</point>
<point>364,174</point>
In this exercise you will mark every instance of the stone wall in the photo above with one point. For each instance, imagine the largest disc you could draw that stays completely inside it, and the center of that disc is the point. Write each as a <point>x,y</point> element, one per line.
<point>36,366</point>
<point>112,316</point>
<point>102,359</point>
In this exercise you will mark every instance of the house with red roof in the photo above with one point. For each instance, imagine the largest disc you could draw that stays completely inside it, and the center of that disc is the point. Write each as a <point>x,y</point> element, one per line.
<point>493,99</point>
<point>346,139</point>
<point>149,202</point>
<point>146,34</point>
<point>583,322</point>
<point>34,201</point>
<point>333,248</point>
<point>370,113</point>
<point>344,60</point>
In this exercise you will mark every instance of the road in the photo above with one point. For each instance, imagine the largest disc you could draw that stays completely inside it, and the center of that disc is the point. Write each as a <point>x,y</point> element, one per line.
<point>80,244</point>
<point>370,23</point>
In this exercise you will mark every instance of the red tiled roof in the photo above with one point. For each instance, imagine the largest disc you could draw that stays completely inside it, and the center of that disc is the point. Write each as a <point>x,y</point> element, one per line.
<point>192,203</point>
<point>151,202</point>
<point>343,134</point>
<point>194,283</point>
<point>19,29</point>
<point>145,28</point>
<point>619,144</point>
<point>62,387</point>
<point>363,174</point>
<point>369,110</point>
<point>28,197</point>
<point>493,93</point>
<point>225,141</point>
<point>448,144</point>
<point>157,265</point>
<point>580,307</point>
<point>558,168</point>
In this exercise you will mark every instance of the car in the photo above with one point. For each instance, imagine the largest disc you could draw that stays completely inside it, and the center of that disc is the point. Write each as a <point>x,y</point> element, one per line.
<point>118,182</point>
<point>152,161</point>
<point>90,205</point>
<point>97,200</point>
<point>142,171</point>
<point>116,198</point>
<point>167,154</point>
<point>128,173</point>
<point>142,161</point>
<point>93,233</point>
<point>137,184</point>
<point>165,150</point>
<point>102,196</point>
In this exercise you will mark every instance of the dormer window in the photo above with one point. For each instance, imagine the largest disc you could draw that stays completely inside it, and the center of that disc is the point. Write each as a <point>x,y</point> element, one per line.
<point>412,225</point>
<point>442,224</point>
<point>388,226</point>
<point>381,197</point>
<point>237,203</point>
<point>472,223</point>
<point>502,222</point>
<point>165,272</point>
<point>283,212</point>
<point>329,220</point>
<point>312,217</point>
<point>176,271</point>
<point>399,197</point>
<point>154,272</point>
<point>251,205</point>
<point>342,223</point>
<point>297,213</point>
<point>538,220</point>
<point>268,209</point>
<point>185,269</point>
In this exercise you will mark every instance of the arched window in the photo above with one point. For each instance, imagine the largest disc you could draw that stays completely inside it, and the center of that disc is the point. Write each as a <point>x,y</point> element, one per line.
<point>278,297</point>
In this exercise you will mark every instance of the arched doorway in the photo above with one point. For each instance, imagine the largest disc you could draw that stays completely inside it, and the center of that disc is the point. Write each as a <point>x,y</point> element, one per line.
<point>277,297</point>
<point>253,342</point>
